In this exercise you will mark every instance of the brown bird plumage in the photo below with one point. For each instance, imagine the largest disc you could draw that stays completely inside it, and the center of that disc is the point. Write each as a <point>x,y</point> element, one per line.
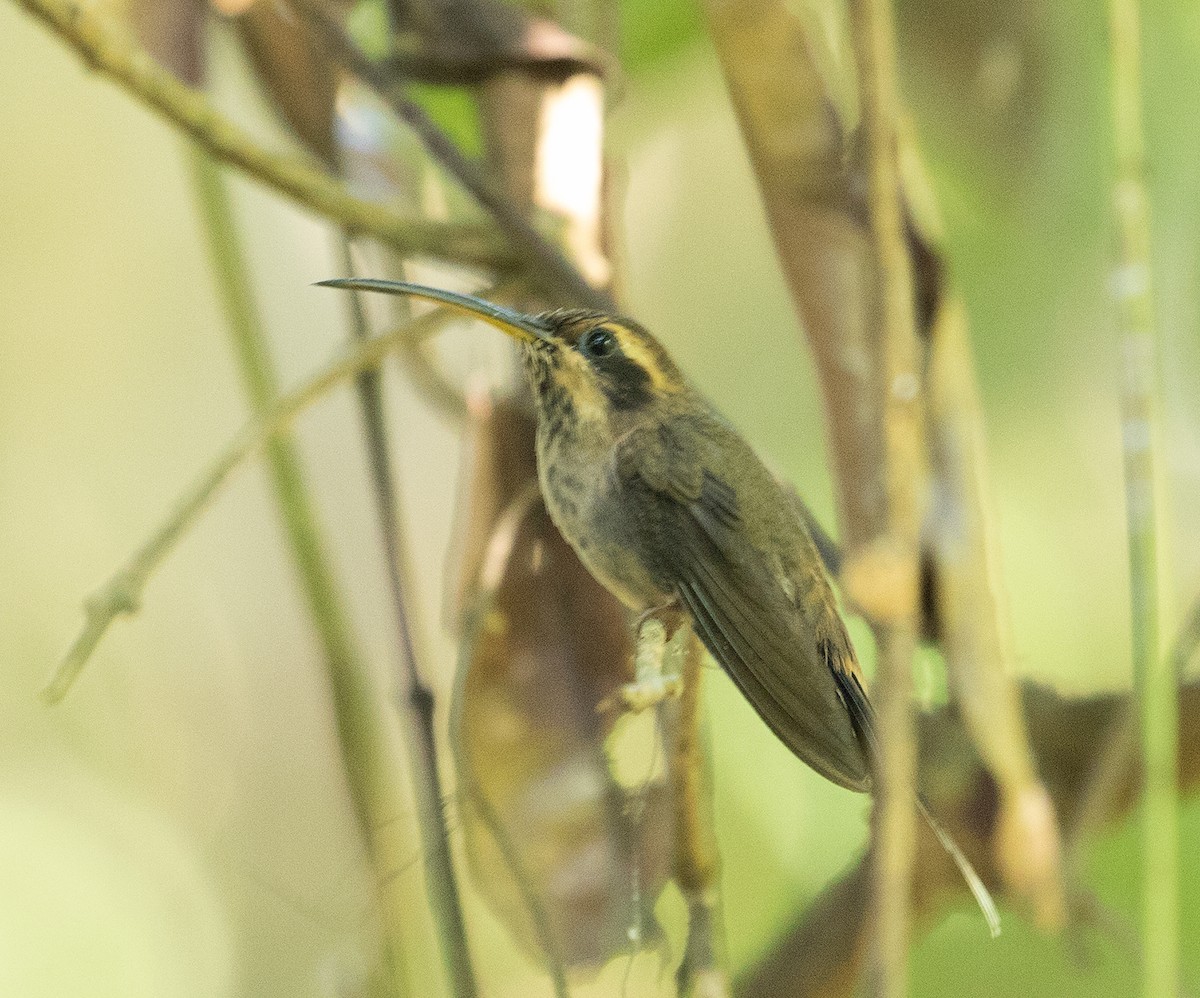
<point>670,508</point>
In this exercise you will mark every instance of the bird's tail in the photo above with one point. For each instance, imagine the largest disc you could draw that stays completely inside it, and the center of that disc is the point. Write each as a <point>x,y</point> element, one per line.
<point>982,895</point>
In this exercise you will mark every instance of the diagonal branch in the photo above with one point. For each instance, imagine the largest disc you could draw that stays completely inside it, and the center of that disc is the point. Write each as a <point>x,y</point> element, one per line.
<point>549,268</point>
<point>109,51</point>
<point>121,594</point>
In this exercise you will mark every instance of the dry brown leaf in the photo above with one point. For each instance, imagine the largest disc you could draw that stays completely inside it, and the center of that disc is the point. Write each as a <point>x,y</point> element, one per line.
<point>298,77</point>
<point>822,955</point>
<point>470,41</point>
<point>544,645</point>
<point>173,32</point>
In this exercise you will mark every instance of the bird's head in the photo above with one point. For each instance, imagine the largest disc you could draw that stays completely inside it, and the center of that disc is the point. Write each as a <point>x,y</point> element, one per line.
<point>583,364</point>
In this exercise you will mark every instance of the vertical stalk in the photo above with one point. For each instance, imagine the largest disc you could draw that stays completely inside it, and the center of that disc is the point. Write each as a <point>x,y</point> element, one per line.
<point>372,767</point>
<point>899,360</point>
<point>701,972</point>
<point>417,697</point>
<point>1155,683</point>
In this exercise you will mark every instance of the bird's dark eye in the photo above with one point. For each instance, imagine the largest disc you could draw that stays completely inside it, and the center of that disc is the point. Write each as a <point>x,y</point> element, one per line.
<point>597,344</point>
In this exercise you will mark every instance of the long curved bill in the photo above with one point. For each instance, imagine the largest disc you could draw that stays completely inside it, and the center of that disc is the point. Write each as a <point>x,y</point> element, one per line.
<point>516,324</point>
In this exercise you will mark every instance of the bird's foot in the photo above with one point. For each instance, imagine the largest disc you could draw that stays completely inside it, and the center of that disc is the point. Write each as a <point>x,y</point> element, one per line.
<point>651,685</point>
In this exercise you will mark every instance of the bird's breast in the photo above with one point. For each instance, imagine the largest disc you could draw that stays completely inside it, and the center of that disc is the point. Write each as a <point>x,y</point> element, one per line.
<point>585,501</point>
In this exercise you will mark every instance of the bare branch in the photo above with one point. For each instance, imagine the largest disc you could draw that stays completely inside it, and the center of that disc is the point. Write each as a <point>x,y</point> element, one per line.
<point>701,973</point>
<point>122,593</point>
<point>417,699</point>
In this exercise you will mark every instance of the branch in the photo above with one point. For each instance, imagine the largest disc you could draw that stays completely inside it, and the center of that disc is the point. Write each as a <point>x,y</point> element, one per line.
<point>970,618</point>
<point>417,699</point>
<point>106,49</point>
<point>897,358</point>
<point>792,83</point>
<point>121,594</point>
<point>548,267</point>
<point>1155,684</point>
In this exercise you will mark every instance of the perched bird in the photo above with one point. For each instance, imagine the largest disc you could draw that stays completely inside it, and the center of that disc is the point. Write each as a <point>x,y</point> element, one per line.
<point>672,510</point>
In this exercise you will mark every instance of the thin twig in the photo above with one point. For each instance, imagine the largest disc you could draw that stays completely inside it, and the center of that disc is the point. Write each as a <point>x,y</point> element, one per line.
<point>371,764</point>
<point>548,268</point>
<point>700,972</point>
<point>904,450</point>
<point>1157,694</point>
<point>417,696</point>
<point>108,50</point>
<point>122,593</point>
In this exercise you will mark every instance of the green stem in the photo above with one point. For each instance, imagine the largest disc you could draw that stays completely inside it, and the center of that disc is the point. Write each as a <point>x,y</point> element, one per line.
<point>369,753</point>
<point>1153,673</point>
<point>900,380</point>
<point>372,766</point>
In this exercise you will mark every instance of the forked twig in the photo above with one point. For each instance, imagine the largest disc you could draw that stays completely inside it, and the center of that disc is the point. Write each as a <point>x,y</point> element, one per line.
<point>122,592</point>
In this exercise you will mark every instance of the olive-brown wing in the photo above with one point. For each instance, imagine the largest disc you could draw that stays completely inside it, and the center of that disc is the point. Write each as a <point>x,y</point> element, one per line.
<point>692,532</point>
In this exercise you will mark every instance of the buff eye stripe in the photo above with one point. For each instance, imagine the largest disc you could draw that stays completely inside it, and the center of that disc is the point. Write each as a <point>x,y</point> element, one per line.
<point>638,353</point>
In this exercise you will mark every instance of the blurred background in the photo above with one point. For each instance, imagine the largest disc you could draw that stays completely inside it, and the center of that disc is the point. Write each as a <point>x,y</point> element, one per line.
<point>179,826</point>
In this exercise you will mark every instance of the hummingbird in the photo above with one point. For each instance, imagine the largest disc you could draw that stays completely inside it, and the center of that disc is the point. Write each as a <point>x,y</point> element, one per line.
<point>672,510</point>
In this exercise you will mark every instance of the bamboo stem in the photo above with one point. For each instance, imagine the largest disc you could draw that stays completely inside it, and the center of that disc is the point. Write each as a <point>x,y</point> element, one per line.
<point>1153,674</point>
<point>371,763</point>
<point>903,436</point>
<point>417,697</point>
<point>109,51</point>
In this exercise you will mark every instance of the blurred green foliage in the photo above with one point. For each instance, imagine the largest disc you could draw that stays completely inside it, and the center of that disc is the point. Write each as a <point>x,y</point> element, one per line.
<point>185,808</point>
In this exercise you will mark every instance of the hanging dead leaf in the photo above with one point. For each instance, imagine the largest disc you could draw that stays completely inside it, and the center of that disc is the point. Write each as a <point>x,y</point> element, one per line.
<point>298,77</point>
<point>570,860</point>
<point>470,41</point>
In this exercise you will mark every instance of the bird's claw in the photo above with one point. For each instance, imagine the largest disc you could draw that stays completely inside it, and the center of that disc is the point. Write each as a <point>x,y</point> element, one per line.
<point>642,694</point>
